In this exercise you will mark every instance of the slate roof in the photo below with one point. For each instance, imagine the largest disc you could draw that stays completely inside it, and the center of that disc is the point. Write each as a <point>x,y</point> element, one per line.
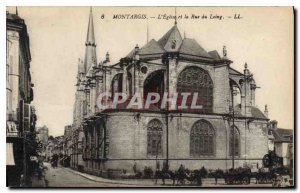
<point>184,46</point>
<point>150,48</point>
<point>14,17</point>
<point>214,54</point>
<point>255,112</point>
<point>283,135</point>
<point>163,40</point>
<point>235,72</point>
<point>191,47</point>
<point>166,41</point>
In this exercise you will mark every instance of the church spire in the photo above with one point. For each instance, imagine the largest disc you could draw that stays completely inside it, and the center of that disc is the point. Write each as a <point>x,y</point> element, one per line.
<point>90,50</point>
<point>175,17</point>
<point>90,38</point>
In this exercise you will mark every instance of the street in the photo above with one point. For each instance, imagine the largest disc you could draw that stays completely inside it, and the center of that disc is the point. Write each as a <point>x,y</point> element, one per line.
<point>65,177</point>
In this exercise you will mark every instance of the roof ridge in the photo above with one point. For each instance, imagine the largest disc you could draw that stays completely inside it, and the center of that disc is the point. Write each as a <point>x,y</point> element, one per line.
<point>166,42</point>
<point>166,34</point>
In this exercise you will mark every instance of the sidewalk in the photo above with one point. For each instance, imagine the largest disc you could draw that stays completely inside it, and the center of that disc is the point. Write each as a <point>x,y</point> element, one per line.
<point>139,182</point>
<point>206,182</point>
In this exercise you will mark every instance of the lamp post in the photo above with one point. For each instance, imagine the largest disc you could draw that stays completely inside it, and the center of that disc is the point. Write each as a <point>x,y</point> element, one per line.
<point>157,168</point>
<point>157,144</point>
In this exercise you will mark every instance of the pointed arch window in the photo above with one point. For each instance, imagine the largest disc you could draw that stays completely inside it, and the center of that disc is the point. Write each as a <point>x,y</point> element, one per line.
<point>202,139</point>
<point>154,138</point>
<point>129,77</point>
<point>234,141</point>
<point>154,83</point>
<point>116,85</point>
<point>196,80</point>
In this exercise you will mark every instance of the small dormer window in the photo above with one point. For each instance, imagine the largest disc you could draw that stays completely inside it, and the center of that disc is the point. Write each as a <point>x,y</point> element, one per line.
<point>173,44</point>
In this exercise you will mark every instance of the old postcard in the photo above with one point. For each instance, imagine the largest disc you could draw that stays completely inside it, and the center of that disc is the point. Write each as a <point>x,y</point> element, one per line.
<point>150,97</point>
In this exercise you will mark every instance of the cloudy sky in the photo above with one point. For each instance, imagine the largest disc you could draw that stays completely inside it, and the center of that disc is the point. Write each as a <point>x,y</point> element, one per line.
<point>263,38</point>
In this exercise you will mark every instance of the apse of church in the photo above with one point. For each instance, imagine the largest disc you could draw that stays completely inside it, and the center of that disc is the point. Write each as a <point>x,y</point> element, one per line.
<point>228,128</point>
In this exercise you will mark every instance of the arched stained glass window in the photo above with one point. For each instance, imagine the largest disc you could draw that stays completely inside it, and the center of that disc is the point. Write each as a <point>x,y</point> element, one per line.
<point>154,138</point>
<point>129,77</point>
<point>154,83</point>
<point>116,85</point>
<point>196,80</point>
<point>234,141</point>
<point>202,139</point>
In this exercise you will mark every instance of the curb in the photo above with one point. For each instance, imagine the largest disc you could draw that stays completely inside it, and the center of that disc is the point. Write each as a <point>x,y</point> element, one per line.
<point>95,180</point>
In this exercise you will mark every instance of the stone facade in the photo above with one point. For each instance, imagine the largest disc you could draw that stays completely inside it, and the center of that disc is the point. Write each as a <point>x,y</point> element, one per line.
<point>20,115</point>
<point>43,134</point>
<point>117,139</point>
<point>128,142</point>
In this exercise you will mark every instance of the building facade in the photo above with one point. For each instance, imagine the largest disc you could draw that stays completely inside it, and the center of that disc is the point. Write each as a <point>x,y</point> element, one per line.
<point>42,137</point>
<point>229,130</point>
<point>50,148</point>
<point>20,116</point>
<point>43,134</point>
<point>67,146</point>
<point>283,144</point>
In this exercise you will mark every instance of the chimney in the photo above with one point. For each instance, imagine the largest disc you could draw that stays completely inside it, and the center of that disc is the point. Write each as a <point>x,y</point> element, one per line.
<point>266,112</point>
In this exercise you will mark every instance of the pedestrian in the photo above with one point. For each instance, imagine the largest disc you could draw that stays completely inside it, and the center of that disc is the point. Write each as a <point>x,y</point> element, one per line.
<point>134,168</point>
<point>22,181</point>
<point>157,166</point>
<point>181,174</point>
<point>165,171</point>
<point>40,169</point>
<point>216,176</point>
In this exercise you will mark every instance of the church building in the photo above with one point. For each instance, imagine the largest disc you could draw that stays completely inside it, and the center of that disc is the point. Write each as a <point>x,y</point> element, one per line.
<point>228,131</point>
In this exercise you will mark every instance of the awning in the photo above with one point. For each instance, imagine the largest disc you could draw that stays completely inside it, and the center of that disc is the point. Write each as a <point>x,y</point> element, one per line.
<point>10,159</point>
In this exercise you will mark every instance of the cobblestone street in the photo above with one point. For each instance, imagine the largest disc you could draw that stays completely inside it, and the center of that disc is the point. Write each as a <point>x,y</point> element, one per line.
<point>65,177</point>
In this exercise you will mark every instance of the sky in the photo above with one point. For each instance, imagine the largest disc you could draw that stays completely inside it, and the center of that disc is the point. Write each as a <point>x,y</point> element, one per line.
<point>263,38</point>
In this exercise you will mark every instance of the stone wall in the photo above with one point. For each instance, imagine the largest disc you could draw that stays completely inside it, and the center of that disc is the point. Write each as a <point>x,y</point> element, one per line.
<point>128,142</point>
